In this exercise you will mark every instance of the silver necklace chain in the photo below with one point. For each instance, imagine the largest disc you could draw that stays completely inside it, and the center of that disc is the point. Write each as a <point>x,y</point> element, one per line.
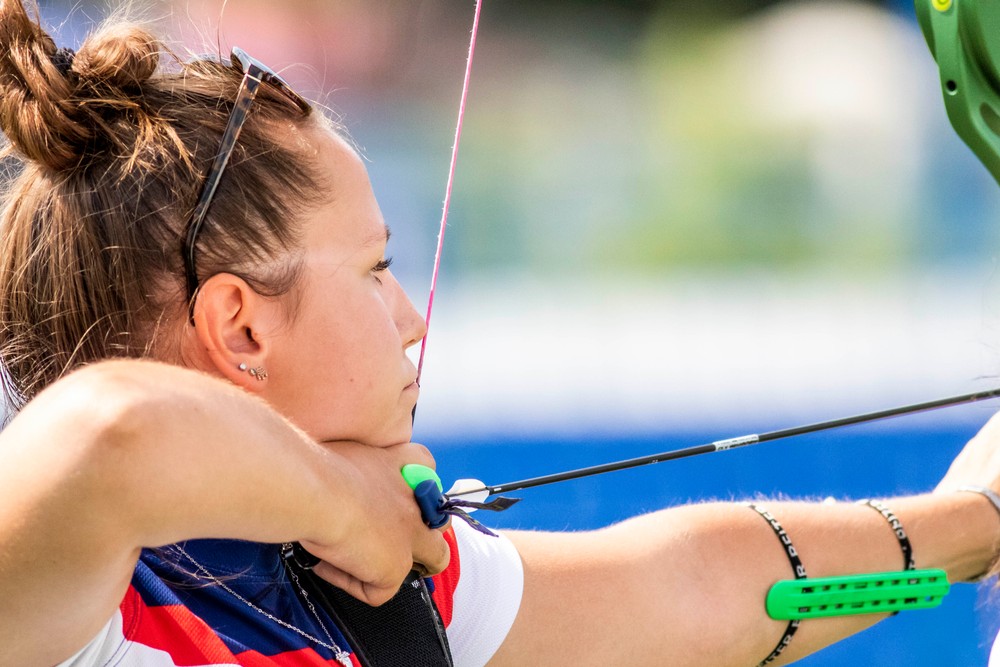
<point>342,656</point>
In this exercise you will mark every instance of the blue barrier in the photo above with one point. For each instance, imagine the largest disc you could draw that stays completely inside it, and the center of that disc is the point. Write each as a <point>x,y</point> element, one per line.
<point>887,458</point>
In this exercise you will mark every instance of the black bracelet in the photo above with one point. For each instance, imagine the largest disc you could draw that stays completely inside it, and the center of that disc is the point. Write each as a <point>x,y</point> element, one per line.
<point>897,529</point>
<point>797,568</point>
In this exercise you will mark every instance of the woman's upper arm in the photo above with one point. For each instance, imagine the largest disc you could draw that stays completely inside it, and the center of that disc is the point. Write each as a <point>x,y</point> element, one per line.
<point>65,563</point>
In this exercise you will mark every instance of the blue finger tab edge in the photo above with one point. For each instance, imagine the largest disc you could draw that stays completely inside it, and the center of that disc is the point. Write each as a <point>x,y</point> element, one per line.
<point>431,502</point>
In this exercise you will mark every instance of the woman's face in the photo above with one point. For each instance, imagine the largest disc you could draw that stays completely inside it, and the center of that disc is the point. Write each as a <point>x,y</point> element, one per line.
<point>339,369</point>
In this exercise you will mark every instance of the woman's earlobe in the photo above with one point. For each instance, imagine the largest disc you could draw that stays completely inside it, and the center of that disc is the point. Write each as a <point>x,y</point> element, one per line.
<point>258,373</point>
<point>225,323</point>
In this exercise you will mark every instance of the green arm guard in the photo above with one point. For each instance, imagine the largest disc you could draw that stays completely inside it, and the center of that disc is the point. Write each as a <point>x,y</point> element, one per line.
<point>856,594</point>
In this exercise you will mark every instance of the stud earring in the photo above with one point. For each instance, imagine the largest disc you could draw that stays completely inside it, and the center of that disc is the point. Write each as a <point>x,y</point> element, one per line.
<point>258,373</point>
<point>242,366</point>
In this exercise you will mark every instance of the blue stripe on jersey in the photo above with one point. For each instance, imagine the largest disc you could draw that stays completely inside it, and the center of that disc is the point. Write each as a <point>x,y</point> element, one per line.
<point>254,571</point>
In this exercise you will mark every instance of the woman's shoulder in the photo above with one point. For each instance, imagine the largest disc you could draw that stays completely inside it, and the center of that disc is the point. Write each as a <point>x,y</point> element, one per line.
<point>479,593</point>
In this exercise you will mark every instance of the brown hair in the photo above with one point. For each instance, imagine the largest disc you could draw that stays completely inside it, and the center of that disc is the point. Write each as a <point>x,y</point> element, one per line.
<point>111,151</point>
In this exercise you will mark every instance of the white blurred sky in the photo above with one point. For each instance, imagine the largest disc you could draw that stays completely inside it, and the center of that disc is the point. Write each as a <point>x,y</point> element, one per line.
<point>703,351</point>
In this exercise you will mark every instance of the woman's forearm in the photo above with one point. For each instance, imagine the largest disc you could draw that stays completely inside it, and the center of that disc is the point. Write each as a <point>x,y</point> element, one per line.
<point>686,586</point>
<point>127,455</point>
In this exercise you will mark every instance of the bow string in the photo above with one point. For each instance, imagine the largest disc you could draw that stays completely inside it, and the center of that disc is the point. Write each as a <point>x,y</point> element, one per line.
<point>448,188</point>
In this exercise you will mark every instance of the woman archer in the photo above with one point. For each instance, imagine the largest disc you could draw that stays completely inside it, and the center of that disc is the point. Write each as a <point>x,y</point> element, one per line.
<point>203,222</point>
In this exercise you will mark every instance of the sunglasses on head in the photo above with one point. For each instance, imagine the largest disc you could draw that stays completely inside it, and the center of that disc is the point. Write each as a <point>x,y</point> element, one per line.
<point>254,73</point>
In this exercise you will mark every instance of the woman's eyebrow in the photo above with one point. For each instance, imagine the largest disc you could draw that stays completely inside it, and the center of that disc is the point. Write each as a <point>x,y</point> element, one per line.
<point>379,238</point>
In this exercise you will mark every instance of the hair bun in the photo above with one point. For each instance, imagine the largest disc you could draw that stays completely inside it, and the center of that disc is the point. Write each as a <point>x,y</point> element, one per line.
<point>122,57</point>
<point>34,111</point>
<point>56,107</point>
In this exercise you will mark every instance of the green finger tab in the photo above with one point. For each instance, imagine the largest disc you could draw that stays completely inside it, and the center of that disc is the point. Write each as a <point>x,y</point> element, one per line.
<point>414,474</point>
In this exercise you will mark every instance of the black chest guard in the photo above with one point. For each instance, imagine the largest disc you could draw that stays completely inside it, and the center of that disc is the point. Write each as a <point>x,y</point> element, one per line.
<point>405,631</point>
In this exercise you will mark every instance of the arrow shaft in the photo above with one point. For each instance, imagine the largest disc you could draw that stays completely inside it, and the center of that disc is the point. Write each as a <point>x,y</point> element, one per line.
<point>733,443</point>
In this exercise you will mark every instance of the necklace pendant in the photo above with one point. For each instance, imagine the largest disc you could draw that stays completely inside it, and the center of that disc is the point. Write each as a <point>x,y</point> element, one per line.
<point>344,659</point>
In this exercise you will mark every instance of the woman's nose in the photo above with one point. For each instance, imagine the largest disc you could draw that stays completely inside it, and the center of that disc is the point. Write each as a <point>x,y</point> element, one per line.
<point>411,324</point>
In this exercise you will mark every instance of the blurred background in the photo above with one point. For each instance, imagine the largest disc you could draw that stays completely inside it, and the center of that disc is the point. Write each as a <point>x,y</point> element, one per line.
<point>673,222</point>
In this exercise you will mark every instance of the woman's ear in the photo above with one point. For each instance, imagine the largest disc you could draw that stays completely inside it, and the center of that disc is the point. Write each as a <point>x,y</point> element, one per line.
<point>229,317</point>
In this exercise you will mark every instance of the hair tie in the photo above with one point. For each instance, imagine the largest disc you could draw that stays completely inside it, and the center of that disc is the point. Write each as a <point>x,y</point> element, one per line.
<point>63,60</point>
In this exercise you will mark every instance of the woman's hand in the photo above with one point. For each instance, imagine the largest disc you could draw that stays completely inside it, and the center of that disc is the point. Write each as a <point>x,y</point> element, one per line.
<point>978,463</point>
<point>386,537</point>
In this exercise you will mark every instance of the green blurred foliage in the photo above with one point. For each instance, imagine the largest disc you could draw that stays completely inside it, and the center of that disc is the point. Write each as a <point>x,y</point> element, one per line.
<point>656,141</point>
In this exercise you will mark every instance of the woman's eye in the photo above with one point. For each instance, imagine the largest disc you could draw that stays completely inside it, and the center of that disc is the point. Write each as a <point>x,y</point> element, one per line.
<point>382,265</point>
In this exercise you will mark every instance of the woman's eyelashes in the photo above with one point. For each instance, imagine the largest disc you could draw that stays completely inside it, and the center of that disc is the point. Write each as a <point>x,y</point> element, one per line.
<point>382,265</point>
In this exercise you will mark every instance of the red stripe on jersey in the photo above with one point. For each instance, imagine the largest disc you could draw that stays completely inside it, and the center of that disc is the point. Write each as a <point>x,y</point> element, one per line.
<point>173,629</point>
<point>446,582</point>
